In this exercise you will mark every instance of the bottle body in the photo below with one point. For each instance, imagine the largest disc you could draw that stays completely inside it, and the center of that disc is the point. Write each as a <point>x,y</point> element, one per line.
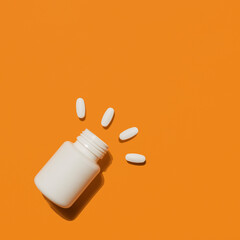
<point>67,174</point>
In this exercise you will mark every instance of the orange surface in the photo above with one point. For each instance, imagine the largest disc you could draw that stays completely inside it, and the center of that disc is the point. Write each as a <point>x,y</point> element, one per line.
<point>170,68</point>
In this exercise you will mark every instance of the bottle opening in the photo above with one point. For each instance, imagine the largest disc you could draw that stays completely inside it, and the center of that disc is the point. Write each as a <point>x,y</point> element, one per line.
<point>93,143</point>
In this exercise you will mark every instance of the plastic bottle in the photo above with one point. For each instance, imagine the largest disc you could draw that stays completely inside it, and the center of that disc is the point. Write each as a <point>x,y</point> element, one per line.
<point>70,170</point>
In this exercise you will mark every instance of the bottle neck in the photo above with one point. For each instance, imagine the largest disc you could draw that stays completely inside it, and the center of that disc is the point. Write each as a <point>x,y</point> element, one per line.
<point>91,145</point>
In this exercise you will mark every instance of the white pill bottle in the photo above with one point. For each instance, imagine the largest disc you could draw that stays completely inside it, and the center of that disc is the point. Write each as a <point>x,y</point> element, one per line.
<point>71,169</point>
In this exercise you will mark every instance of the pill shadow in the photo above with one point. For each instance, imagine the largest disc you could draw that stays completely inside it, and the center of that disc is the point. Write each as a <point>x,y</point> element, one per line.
<point>82,119</point>
<point>71,213</point>
<point>123,141</point>
<point>137,164</point>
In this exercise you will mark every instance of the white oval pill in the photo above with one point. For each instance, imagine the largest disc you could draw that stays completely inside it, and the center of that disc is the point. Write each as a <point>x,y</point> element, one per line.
<point>135,158</point>
<point>107,117</point>
<point>80,107</point>
<point>129,133</point>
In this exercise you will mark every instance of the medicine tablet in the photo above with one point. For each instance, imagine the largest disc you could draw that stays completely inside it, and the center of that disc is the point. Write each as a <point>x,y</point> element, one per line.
<point>135,158</point>
<point>80,108</point>
<point>129,133</point>
<point>107,117</point>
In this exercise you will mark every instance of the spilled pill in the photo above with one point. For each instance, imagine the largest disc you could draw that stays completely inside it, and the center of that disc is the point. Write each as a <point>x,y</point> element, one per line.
<point>107,117</point>
<point>129,133</point>
<point>135,158</point>
<point>80,108</point>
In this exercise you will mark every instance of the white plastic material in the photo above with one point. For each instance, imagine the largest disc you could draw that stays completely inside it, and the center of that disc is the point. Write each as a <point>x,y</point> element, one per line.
<point>129,133</point>
<point>71,169</point>
<point>107,117</point>
<point>80,108</point>
<point>135,158</point>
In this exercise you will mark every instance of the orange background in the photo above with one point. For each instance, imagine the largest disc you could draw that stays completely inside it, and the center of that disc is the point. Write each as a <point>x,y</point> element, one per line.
<point>171,68</point>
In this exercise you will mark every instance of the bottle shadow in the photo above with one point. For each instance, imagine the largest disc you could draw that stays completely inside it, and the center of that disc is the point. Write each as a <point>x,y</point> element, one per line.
<point>71,213</point>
